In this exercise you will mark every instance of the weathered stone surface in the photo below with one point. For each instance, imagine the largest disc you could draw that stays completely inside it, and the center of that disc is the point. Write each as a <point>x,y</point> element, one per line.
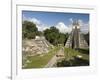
<point>35,46</point>
<point>76,39</point>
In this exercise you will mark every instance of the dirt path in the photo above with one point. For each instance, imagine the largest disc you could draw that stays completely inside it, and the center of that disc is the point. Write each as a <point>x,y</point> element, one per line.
<point>59,54</point>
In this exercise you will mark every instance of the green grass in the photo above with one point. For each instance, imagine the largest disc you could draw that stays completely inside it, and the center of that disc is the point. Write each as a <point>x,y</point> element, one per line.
<point>71,58</point>
<point>40,61</point>
<point>70,53</point>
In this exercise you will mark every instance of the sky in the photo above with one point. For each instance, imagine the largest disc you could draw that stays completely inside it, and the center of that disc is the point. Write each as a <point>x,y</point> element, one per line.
<point>60,20</point>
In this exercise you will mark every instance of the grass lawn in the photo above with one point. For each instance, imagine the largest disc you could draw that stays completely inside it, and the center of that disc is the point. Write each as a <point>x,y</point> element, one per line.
<point>72,58</point>
<point>40,61</point>
<point>69,53</point>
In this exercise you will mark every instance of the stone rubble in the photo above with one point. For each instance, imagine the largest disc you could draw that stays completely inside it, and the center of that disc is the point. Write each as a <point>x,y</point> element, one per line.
<point>36,46</point>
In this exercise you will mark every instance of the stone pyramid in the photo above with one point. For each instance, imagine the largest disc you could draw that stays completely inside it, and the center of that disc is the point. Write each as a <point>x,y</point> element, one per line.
<point>39,45</point>
<point>76,39</point>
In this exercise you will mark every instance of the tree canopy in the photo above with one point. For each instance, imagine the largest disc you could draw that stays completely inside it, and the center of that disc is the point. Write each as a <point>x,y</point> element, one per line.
<point>54,36</point>
<point>29,30</point>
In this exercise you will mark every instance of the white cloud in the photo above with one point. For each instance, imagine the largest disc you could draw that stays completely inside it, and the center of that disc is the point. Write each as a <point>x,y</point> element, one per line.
<point>38,23</point>
<point>63,28</point>
<point>42,27</point>
<point>34,20</point>
<point>84,26</point>
<point>80,22</point>
<point>71,20</point>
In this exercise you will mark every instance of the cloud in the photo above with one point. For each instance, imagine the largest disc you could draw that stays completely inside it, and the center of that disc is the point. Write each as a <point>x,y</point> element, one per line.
<point>41,26</point>
<point>84,27</point>
<point>63,28</point>
<point>71,20</point>
<point>34,20</point>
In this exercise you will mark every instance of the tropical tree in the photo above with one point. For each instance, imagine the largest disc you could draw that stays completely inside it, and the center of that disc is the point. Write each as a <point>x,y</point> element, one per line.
<point>29,30</point>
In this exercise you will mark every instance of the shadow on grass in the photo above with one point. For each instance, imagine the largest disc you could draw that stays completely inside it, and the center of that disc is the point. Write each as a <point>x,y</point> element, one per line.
<point>74,62</point>
<point>84,51</point>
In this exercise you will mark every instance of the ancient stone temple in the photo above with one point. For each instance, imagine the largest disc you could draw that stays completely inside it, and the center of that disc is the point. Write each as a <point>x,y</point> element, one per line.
<point>39,45</point>
<point>76,39</point>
